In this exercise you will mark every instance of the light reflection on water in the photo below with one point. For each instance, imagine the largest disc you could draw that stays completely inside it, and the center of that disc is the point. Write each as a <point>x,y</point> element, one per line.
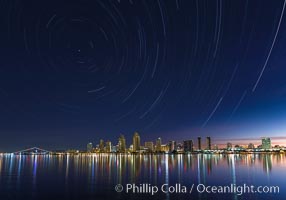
<point>94,176</point>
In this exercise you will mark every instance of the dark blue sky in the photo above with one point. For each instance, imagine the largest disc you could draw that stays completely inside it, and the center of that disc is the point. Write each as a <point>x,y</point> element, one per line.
<point>77,71</point>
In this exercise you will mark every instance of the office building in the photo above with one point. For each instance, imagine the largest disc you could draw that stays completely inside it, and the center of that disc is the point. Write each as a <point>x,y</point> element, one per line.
<point>188,145</point>
<point>199,143</point>
<point>136,142</point>
<point>121,144</point>
<point>108,147</point>
<point>149,146</point>
<point>158,144</point>
<point>172,146</point>
<point>101,146</point>
<point>208,143</point>
<point>266,143</point>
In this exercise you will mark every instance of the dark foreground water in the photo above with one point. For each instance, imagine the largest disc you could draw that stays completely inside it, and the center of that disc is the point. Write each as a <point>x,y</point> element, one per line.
<point>95,176</point>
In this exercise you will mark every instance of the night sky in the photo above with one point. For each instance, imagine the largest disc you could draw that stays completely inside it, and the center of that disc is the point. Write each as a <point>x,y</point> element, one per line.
<point>74,72</point>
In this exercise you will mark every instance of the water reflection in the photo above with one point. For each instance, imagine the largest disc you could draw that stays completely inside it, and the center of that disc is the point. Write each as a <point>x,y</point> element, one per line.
<point>93,174</point>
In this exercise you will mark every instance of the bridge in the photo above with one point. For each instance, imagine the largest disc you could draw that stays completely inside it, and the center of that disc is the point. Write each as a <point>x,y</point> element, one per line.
<point>32,151</point>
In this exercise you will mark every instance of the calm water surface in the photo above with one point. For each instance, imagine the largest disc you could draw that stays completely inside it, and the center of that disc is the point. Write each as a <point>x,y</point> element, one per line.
<point>95,176</point>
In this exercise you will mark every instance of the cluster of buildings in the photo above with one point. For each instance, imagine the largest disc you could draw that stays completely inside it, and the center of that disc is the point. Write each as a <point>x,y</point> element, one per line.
<point>172,146</point>
<point>265,145</point>
<point>148,146</point>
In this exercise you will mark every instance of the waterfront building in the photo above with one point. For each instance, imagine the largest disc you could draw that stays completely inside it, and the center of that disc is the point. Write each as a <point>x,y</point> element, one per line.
<point>164,148</point>
<point>158,145</point>
<point>199,143</point>
<point>208,145</point>
<point>188,145</point>
<point>136,142</point>
<point>108,147</point>
<point>72,151</point>
<point>101,146</point>
<point>121,144</point>
<point>149,146</point>
<point>172,146</point>
<point>266,143</point>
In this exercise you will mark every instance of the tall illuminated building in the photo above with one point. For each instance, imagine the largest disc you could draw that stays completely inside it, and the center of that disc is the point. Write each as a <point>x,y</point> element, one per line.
<point>158,145</point>
<point>209,145</point>
<point>108,147</point>
<point>101,146</point>
<point>188,145</point>
<point>89,147</point>
<point>136,142</point>
<point>172,146</point>
<point>266,143</point>
<point>122,144</point>
<point>199,143</point>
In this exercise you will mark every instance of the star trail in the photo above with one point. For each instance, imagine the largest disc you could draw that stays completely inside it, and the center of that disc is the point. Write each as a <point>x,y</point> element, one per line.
<point>75,71</point>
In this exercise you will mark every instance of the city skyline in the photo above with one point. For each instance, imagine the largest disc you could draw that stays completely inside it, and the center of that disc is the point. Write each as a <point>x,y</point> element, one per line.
<point>204,141</point>
<point>185,145</point>
<point>129,140</point>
